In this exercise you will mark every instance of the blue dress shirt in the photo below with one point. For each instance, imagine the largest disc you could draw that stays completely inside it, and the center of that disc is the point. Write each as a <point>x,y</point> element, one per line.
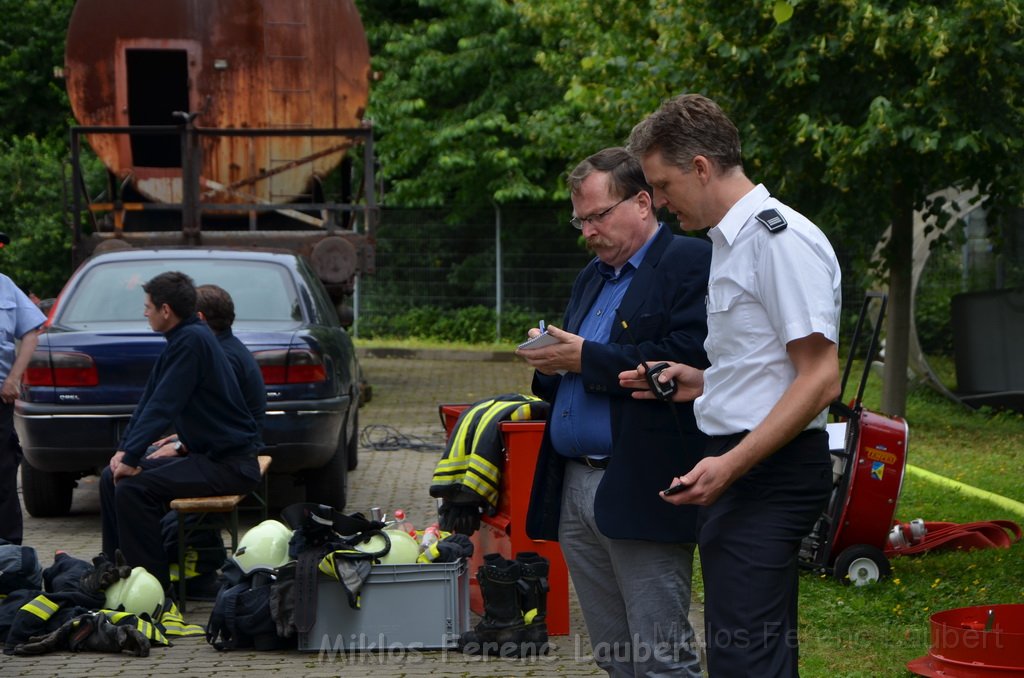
<point>580,424</point>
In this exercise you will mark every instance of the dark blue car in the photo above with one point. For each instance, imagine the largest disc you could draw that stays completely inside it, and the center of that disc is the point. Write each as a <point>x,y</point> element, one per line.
<point>92,363</point>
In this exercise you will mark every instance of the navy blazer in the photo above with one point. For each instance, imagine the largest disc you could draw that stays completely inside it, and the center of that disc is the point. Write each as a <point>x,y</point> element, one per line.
<point>665,309</point>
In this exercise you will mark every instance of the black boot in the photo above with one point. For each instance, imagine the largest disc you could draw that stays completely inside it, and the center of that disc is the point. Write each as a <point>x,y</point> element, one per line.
<point>499,633</point>
<point>533,588</point>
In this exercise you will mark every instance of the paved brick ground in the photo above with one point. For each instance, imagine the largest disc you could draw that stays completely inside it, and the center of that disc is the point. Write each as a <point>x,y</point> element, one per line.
<point>406,392</point>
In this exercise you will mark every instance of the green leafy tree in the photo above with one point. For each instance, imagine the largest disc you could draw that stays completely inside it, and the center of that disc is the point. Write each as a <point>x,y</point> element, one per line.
<point>867,108</point>
<point>39,256</point>
<point>853,111</point>
<point>32,100</point>
<point>453,103</point>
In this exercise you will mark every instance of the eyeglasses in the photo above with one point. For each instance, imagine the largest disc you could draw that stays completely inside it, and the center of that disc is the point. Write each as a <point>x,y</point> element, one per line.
<point>577,222</point>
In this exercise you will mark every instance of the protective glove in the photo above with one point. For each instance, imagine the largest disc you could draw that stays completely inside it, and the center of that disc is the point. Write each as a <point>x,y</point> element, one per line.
<point>96,633</point>
<point>91,632</point>
<point>50,642</point>
<point>448,550</point>
<point>282,607</point>
<point>104,573</point>
<point>460,518</point>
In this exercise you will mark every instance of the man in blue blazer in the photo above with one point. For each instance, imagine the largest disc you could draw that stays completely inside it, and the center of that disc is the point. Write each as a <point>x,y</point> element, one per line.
<point>605,456</point>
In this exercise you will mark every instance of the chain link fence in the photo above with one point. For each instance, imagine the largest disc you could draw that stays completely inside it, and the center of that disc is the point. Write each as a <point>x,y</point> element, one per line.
<point>425,263</point>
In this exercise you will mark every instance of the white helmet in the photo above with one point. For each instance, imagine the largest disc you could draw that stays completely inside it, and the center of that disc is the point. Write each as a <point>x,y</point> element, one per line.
<point>141,593</point>
<point>264,547</point>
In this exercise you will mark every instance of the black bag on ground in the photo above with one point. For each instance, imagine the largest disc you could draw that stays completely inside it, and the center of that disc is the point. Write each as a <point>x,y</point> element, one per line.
<point>242,616</point>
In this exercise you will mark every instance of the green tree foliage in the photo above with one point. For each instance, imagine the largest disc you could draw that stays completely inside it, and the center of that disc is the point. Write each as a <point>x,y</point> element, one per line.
<point>32,100</point>
<point>39,256</point>
<point>853,111</point>
<point>864,109</point>
<point>452,106</point>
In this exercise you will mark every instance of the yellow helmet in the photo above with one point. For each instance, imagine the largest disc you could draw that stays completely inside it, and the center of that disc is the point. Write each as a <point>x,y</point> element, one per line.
<point>404,548</point>
<point>264,547</point>
<point>141,593</point>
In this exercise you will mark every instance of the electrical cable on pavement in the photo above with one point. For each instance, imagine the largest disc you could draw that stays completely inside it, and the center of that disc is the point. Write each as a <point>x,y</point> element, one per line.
<point>384,437</point>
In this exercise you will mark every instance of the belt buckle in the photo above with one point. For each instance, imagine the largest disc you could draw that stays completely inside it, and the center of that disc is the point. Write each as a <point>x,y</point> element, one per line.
<point>596,464</point>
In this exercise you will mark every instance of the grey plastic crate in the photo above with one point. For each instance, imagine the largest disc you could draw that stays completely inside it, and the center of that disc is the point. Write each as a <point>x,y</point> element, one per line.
<point>410,607</point>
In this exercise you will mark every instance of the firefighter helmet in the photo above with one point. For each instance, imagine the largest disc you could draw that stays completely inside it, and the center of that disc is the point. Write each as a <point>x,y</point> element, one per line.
<point>141,593</point>
<point>404,548</point>
<point>264,547</point>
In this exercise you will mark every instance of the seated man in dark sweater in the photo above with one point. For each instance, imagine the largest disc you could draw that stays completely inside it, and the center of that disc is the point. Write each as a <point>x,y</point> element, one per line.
<point>193,389</point>
<point>215,306</point>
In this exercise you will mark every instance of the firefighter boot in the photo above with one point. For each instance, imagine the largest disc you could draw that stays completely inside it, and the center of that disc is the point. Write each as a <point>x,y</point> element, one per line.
<point>533,588</point>
<point>499,633</point>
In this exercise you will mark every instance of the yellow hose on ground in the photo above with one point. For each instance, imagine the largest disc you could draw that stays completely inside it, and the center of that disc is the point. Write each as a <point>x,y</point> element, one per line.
<point>997,499</point>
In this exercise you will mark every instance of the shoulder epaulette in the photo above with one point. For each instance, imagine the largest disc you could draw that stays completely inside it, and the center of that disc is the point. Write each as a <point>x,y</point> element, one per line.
<point>772,220</point>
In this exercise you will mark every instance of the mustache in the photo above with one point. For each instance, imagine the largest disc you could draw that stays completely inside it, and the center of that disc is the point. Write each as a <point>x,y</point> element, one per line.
<point>595,242</point>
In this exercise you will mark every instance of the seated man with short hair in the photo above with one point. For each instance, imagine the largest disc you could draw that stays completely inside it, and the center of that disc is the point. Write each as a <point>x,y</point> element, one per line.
<point>193,389</point>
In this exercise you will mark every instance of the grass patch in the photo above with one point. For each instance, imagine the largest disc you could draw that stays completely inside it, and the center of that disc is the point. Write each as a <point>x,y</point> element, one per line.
<point>876,630</point>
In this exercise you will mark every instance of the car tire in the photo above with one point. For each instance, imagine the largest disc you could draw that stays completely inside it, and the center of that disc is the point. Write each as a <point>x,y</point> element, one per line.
<point>46,495</point>
<point>352,444</point>
<point>329,484</point>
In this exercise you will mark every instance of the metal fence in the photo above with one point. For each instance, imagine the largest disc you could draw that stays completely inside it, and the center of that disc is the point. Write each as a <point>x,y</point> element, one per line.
<point>423,262</point>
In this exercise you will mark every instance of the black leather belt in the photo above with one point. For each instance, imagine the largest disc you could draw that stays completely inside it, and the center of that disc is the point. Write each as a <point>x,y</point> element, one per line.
<point>599,464</point>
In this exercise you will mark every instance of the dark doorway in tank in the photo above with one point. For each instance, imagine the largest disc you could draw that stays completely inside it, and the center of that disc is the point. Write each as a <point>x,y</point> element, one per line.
<point>157,87</point>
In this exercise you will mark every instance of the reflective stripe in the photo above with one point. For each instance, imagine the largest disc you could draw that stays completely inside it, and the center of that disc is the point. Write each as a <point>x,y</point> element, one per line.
<point>191,561</point>
<point>151,631</point>
<point>41,606</point>
<point>174,624</point>
<point>474,457</point>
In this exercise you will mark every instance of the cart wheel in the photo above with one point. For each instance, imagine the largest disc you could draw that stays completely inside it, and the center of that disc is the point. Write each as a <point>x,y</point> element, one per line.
<point>860,565</point>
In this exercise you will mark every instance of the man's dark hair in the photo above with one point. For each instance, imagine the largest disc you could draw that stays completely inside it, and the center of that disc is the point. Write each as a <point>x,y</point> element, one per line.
<point>216,305</point>
<point>174,289</point>
<point>625,175</point>
<point>685,127</point>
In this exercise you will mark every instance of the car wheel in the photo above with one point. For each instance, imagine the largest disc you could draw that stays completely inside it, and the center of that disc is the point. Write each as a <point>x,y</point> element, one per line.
<point>352,444</point>
<point>46,495</point>
<point>329,484</point>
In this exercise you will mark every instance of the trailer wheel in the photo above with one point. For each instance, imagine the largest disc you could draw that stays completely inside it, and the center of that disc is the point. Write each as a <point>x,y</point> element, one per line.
<point>860,565</point>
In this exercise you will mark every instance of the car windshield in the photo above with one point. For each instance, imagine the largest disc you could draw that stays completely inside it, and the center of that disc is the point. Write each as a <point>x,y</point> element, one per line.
<point>112,292</point>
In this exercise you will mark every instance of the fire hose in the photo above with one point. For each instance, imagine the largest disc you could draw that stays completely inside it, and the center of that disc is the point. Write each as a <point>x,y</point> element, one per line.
<point>919,536</point>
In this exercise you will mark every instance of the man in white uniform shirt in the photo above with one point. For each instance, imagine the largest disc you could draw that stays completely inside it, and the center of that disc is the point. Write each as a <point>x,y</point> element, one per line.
<point>773,318</point>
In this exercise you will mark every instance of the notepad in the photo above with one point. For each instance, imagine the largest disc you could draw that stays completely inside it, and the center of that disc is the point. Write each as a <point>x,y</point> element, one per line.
<point>540,341</point>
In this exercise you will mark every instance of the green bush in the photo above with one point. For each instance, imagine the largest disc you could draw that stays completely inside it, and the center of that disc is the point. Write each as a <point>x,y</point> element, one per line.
<point>471,324</point>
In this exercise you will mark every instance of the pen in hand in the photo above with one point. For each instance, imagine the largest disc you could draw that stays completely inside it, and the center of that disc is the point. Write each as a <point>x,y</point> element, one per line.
<point>542,326</point>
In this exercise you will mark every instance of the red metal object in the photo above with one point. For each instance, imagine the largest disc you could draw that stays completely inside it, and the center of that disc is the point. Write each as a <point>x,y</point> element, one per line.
<point>235,64</point>
<point>868,467</point>
<point>505,532</point>
<point>974,642</point>
<point>876,478</point>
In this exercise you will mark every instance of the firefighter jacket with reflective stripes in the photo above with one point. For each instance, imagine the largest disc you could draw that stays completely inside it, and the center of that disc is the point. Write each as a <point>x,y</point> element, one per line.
<point>47,612</point>
<point>470,469</point>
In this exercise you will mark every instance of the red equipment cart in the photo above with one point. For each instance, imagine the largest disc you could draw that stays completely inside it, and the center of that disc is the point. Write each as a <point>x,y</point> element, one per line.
<point>849,538</point>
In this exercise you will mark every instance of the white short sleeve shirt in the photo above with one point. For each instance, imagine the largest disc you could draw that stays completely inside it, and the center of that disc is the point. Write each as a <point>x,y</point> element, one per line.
<point>766,289</point>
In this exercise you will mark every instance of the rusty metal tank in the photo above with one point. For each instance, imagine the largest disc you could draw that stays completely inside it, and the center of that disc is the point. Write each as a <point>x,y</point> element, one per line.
<point>255,64</point>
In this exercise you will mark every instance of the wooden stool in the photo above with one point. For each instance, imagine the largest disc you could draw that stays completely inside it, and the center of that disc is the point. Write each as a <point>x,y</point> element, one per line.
<point>205,506</point>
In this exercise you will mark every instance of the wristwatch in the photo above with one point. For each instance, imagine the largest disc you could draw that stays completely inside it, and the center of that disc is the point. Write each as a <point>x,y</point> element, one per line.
<point>178,446</point>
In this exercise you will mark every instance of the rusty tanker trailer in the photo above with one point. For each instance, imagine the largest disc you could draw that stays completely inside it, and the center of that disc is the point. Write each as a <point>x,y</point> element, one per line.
<point>224,123</point>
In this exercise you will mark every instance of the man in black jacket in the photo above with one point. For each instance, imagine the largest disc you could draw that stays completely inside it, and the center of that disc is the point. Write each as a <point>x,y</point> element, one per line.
<point>215,306</point>
<point>604,455</point>
<point>193,389</point>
